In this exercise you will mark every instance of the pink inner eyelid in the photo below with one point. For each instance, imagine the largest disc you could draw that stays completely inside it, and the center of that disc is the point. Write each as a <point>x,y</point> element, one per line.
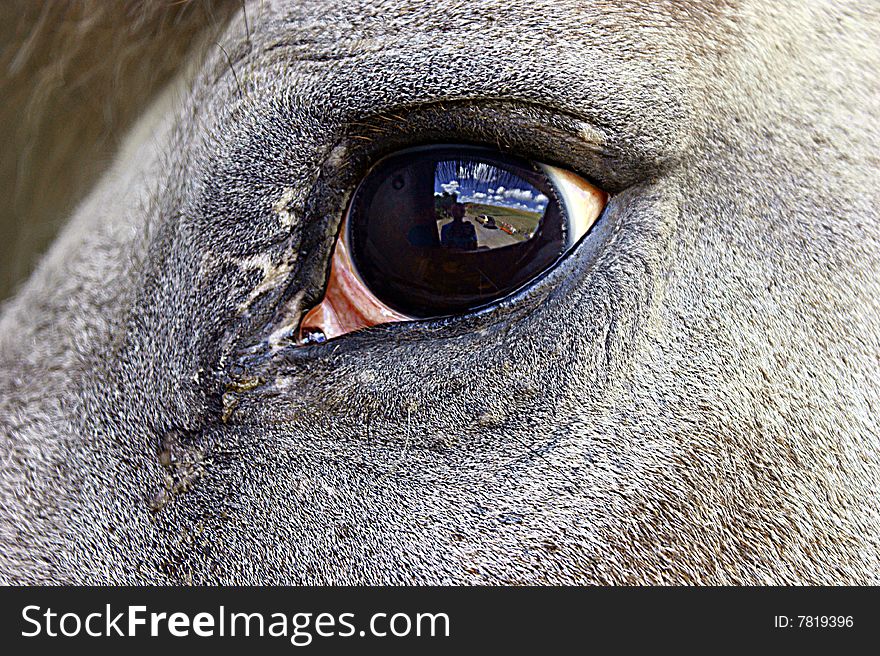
<point>347,304</point>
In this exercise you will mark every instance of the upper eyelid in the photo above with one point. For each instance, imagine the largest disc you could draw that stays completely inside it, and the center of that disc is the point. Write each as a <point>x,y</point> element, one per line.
<point>522,128</point>
<point>615,131</point>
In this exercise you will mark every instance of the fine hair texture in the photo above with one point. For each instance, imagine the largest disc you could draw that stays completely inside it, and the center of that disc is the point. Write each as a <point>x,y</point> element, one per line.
<point>73,77</point>
<point>690,396</point>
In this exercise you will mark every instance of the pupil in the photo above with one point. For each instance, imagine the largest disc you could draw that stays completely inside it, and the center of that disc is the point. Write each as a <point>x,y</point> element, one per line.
<point>439,230</point>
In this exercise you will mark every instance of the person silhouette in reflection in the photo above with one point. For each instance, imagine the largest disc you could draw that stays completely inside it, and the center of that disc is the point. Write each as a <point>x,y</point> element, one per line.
<point>458,233</point>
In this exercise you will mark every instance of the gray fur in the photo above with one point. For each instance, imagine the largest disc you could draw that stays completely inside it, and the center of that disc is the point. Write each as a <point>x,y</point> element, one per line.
<point>690,397</point>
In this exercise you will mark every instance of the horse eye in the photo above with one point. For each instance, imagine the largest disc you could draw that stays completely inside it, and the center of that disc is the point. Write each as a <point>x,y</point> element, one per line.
<point>442,230</point>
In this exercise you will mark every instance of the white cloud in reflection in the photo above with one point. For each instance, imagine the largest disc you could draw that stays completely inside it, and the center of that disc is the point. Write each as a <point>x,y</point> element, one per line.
<point>470,183</point>
<point>450,187</point>
<point>518,194</point>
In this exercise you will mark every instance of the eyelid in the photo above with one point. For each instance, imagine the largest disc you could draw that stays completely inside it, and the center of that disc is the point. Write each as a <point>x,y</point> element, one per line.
<point>585,148</point>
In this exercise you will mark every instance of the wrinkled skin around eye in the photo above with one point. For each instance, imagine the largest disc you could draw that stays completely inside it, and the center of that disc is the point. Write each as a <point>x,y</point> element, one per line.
<point>690,396</point>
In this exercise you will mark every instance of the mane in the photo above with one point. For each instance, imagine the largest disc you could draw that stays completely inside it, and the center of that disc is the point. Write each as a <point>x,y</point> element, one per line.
<point>73,77</point>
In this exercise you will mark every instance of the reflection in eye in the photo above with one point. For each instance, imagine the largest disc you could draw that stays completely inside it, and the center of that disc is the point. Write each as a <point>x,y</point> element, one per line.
<point>441,230</point>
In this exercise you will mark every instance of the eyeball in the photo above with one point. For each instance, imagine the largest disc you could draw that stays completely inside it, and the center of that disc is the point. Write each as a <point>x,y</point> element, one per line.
<point>442,230</point>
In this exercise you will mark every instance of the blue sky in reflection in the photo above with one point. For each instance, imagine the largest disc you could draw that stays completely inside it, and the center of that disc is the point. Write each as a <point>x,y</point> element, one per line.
<point>480,182</point>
